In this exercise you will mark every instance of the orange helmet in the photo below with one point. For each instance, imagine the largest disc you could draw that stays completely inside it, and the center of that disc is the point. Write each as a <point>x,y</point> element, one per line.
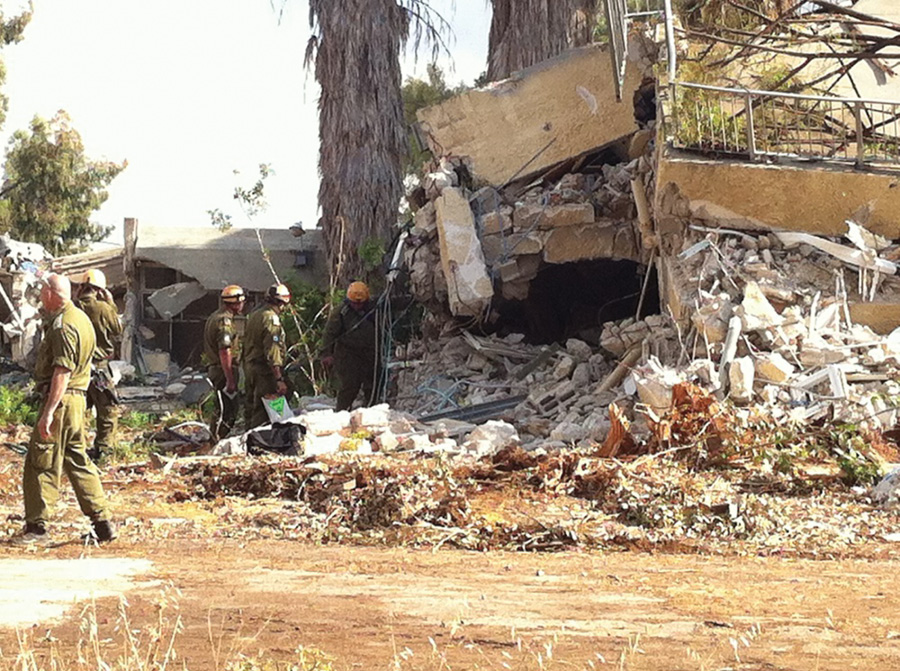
<point>232,294</point>
<point>279,293</point>
<point>95,278</point>
<point>358,292</point>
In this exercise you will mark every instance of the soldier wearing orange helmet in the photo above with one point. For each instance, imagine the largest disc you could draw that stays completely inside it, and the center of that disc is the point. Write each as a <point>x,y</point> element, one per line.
<point>265,351</point>
<point>97,303</point>
<point>351,345</point>
<point>221,352</point>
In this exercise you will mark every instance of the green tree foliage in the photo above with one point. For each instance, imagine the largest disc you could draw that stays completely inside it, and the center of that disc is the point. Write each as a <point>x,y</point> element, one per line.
<point>11,31</point>
<point>418,94</point>
<point>50,187</point>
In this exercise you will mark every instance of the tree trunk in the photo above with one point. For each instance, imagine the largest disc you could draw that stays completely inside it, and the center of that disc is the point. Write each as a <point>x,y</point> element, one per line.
<point>361,128</point>
<point>525,32</point>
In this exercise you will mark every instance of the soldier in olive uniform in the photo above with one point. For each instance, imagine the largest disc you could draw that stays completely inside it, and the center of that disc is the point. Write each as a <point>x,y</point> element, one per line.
<point>62,375</point>
<point>351,345</point>
<point>220,353</point>
<point>264,353</point>
<point>96,302</point>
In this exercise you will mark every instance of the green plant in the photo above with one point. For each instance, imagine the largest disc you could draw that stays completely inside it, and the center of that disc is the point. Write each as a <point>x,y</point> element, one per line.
<point>135,419</point>
<point>17,407</point>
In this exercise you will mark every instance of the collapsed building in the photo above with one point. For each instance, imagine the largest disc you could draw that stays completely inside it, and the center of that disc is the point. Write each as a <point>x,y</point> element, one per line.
<point>167,281</point>
<point>649,230</point>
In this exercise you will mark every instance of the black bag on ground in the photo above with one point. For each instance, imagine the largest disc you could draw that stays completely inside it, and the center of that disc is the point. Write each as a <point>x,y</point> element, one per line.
<point>284,438</point>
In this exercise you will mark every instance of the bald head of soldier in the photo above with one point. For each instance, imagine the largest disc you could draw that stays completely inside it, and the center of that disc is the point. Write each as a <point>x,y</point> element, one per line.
<point>56,292</point>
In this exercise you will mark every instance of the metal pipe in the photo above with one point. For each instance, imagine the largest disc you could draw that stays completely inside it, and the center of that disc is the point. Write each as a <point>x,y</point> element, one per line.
<point>670,39</point>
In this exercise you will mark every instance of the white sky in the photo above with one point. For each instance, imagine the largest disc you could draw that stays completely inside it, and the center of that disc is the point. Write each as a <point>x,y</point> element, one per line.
<point>190,90</point>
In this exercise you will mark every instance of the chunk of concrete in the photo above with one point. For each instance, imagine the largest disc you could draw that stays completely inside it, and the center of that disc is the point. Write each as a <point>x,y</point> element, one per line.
<point>314,445</point>
<point>490,438</point>
<point>375,419</point>
<point>156,362</point>
<point>425,221</point>
<point>495,222</point>
<point>569,432</point>
<point>577,243</point>
<point>499,247</point>
<point>741,373</point>
<point>773,367</point>
<point>579,349</point>
<point>755,311</point>
<point>543,107</point>
<point>462,260</point>
<point>324,422</point>
<point>531,216</point>
<point>171,301</point>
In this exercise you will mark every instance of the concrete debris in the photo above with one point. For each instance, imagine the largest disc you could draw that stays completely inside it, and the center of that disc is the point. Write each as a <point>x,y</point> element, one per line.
<point>490,438</point>
<point>170,301</point>
<point>887,492</point>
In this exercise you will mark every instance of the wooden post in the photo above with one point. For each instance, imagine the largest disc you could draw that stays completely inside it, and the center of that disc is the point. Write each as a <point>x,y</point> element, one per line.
<point>130,325</point>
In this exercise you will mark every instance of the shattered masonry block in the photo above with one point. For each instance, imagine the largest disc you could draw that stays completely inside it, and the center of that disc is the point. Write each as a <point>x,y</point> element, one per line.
<point>500,247</point>
<point>576,243</point>
<point>773,367</point>
<point>741,374</point>
<point>578,349</point>
<point>324,422</point>
<point>755,311</point>
<point>376,418</point>
<point>531,216</point>
<point>425,220</point>
<point>462,260</point>
<point>495,222</point>
<point>569,432</point>
<point>314,445</point>
<point>490,438</point>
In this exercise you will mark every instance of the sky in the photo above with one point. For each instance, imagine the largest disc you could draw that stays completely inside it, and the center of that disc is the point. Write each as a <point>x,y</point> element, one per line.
<point>188,91</point>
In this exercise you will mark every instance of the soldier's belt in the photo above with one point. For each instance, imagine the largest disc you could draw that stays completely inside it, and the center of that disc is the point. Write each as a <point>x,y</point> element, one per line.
<point>75,392</point>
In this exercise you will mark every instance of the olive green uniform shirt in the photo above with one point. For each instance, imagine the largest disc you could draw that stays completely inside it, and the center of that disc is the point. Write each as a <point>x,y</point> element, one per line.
<point>68,343</point>
<point>218,334</point>
<point>351,330</point>
<point>264,340</point>
<point>107,327</point>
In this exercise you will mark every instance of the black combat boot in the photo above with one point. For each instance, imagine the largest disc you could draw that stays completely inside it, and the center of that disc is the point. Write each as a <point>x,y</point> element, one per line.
<point>34,532</point>
<point>103,531</point>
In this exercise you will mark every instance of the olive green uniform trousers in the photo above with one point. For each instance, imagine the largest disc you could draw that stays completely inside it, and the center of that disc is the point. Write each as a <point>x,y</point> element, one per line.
<point>259,382</point>
<point>104,401</point>
<point>65,451</point>
<point>225,407</point>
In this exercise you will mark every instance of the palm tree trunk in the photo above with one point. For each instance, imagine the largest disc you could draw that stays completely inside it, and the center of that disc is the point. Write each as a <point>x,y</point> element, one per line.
<point>525,32</point>
<point>361,129</point>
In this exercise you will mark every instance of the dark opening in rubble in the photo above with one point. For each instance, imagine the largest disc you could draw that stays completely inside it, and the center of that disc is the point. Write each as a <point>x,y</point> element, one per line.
<point>574,300</point>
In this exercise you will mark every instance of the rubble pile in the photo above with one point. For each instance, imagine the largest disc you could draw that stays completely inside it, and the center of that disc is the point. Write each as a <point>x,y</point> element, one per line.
<point>466,246</point>
<point>559,393</point>
<point>771,325</point>
<point>517,500</point>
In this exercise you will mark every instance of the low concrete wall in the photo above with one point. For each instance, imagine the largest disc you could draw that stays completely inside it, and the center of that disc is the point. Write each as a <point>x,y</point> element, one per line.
<point>808,199</point>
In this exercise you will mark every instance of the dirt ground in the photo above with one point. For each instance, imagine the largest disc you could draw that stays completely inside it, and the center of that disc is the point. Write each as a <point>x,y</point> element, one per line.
<point>402,609</point>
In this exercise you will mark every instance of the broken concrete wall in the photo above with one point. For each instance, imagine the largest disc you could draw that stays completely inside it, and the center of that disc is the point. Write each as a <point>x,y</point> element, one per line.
<point>561,108</point>
<point>468,286</point>
<point>766,197</point>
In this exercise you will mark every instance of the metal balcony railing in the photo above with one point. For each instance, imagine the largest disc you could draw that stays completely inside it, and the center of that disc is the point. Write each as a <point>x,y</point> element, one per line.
<point>619,13</point>
<point>765,125</point>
